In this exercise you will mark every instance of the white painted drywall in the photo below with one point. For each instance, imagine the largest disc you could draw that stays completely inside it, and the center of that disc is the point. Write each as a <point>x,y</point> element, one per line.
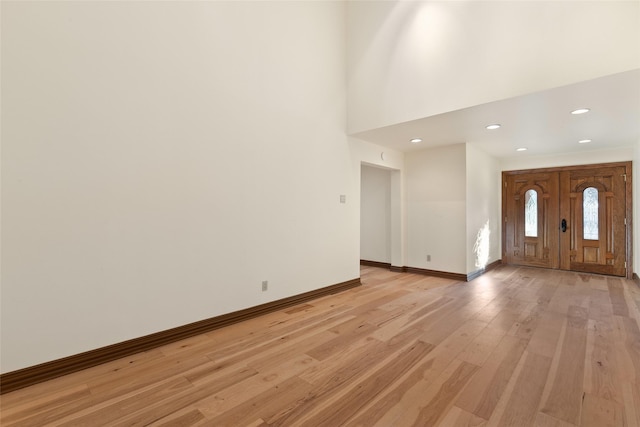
<point>364,152</point>
<point>414,59</point>
<point>436,209</point>
<point>398,219</point>
<point>161,159</point>
<point>375,214</point>
<point>483,199</point>
<point>587,158</point>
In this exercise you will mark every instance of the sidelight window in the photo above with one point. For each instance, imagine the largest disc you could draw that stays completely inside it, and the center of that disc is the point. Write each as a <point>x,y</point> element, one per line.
<point>531,213</point>
<point>590,213</point>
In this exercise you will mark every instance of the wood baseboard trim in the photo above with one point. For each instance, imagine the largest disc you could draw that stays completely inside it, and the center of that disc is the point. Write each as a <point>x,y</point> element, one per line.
<point>636,278</point>
<point>447,275</point>
<point>493,265</point>
<point>436,273</point>
<point>480,272</point>
<point>15,380</point>
<point>375,264</point>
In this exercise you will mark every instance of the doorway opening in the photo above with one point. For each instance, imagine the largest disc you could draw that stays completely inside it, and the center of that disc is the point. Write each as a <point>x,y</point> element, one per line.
<point>380,216</point>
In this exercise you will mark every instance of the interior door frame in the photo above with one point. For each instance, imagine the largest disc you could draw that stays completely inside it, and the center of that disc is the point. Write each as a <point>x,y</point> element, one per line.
<point>628,204</point>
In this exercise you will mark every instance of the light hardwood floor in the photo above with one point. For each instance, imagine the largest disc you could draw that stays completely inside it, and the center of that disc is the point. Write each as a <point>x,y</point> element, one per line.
<point>515,347</point>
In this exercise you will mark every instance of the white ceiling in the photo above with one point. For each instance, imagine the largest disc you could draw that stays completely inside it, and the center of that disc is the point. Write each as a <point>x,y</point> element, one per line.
<point>542,122</point>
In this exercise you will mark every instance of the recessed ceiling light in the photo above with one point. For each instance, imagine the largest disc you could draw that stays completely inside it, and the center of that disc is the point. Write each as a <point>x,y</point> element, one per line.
<point>584,141</point>
<point>416,140</point>
<point>494,126</point>
<point>521,149</point>
<point>580,111</point>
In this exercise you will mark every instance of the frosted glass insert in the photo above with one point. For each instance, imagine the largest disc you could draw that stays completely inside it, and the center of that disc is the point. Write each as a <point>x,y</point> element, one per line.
<point>531,213</point>
<point>590,213</point>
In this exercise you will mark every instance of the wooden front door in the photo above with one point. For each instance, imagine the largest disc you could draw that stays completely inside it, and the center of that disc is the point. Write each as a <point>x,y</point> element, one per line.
<point>593,204</point>
<point>532,219</point>
<point>569,218</point>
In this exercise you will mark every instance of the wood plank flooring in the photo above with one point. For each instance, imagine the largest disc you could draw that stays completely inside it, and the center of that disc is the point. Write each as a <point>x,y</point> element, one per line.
<point>515,347</point>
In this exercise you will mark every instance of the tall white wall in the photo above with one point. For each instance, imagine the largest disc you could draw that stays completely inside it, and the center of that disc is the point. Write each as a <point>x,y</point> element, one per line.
<point>159,160</point>
<point>483,186</point>
<point>414,59</point>
<point>436,209</point>
<point>375,214</point>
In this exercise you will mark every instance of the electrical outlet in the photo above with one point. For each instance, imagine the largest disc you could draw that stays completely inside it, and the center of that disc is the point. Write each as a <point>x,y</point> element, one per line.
<point>428,258</point>
<point>265,285</point>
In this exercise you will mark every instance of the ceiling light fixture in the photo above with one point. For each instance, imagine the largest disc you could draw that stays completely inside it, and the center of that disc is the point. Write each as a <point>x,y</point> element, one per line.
<point>584,141</point>
<point>416,140</point>
<point>521,149</point>
<point>580,111</point>
<point>493,126</point>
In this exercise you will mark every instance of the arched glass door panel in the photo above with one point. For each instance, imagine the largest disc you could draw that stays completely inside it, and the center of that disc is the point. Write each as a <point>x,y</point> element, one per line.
<point>531,213</point>
<point>590,221</point>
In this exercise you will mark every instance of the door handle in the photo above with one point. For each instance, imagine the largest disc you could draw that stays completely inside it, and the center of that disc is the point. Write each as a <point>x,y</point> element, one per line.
<point>564,225</point>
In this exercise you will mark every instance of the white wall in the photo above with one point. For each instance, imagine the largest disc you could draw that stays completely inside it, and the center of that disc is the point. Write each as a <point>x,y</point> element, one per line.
<point>161,159</point>
<point>587,158</point>
<point>483,181</point>
<point>375,214</point>
<point>453,198</point>
<point>436,209</point>
<point>414,59</point>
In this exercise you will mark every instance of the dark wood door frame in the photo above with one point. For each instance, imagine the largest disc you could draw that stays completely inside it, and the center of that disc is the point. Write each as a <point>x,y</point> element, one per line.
<point>628,203</point>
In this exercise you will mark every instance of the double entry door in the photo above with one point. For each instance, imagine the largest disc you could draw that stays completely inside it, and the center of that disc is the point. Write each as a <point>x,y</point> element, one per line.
<point>572,218</point>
